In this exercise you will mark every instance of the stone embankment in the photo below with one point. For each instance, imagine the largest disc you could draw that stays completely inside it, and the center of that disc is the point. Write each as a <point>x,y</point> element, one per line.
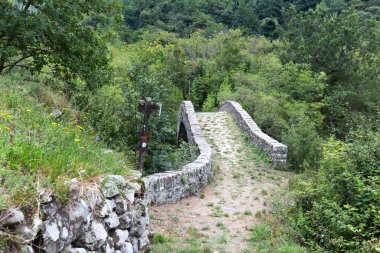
<point>106,217</point>
<point>276,151</point>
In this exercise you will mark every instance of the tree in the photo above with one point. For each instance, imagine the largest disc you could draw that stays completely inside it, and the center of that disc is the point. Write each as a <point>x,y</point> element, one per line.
<point>336,44</point>
<point>36,33</point>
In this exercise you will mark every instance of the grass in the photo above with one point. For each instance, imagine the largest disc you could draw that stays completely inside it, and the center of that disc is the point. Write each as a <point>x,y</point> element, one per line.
<point>263,239</point>
<point>39,150</point>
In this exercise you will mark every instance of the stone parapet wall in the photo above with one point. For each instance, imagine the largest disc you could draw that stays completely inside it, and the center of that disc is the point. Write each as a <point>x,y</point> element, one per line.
<point>276,151</point>
<point>109,216</point>
<point>171,186</point>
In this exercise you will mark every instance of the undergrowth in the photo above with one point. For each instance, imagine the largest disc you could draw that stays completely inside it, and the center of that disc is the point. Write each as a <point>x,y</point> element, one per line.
<point>41,150</point>
<point>273,233</point>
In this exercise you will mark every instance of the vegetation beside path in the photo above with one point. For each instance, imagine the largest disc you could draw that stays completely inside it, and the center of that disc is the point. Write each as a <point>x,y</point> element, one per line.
<point>45,141</point>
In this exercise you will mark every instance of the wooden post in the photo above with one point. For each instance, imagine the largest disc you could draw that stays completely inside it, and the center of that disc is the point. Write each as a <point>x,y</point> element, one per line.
<point>147,107</point>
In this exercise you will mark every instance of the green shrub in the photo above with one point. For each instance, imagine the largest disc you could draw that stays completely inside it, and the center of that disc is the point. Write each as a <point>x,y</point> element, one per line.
<point>159,238</point>
<point>338,208</point>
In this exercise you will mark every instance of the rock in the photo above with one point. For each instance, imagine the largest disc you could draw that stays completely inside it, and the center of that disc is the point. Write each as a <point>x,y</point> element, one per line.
<point>11,217</point>
<point>126,248</point>
<point>141,209</point>
<point>93,197</point>
<point>31,233</point>
<point>135,244</point>
<point>126,220</point>
<point>95,237</point>
<point>112,221</point>
<point>121,205</point>
<point>151,236</point>
<point>108,207</point>
<point>130,195</point>
<point>45,196</point>
<point>135,175</point>
<point>65,226</point>
<point>50,209</point>
<point>74,191</point>
<point>77,250</point>
<point>139,226</point>
<point>27,249</point>
<point>111,185</point>
<point>119,237</point>
<point>143,243</point>
<point>108,247</point>
<point>56,113</point>
<point>134,186</point>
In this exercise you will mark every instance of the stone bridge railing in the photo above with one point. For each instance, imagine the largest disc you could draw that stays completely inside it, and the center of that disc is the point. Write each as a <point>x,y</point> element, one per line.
<point>170,186</point>
<point>277,152</point>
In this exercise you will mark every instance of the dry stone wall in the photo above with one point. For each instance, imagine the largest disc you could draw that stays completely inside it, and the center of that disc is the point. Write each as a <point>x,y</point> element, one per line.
<point>276,151</point>
<point>107,217</point>
<point>171,186</point>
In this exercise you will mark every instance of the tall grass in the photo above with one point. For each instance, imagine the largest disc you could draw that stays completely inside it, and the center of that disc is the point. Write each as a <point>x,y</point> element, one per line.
<point>36,146</point>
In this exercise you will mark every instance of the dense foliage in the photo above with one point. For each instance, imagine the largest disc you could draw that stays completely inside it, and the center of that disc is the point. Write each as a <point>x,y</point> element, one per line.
<point>338,208</point>
<point>64,35</point>
<point>185,17</point>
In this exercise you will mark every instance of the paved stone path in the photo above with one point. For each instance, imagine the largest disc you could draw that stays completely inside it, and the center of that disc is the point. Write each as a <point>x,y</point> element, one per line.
<point>219,218</point>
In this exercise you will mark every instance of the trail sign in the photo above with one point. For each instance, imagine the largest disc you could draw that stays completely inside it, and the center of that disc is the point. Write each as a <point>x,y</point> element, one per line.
<point>147,107</point>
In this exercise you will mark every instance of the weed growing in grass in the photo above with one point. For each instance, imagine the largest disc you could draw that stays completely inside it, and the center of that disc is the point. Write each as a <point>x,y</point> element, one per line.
<point>174,219</point>
<point>258,214</point>
<point>205,228</point>
<point>159,238</point>
<point>221,225</point>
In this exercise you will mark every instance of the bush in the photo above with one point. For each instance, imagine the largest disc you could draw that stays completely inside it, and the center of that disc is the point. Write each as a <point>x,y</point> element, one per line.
<point>338,208</point>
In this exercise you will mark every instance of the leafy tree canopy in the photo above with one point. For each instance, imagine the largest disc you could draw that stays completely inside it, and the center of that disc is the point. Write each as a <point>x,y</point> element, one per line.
<point>64,35</point>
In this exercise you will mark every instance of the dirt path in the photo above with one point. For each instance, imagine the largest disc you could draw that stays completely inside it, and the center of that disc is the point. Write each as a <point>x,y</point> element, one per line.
<point>219,219</point>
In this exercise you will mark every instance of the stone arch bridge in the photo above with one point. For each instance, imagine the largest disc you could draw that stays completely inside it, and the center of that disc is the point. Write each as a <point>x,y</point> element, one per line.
<point>170,186</point>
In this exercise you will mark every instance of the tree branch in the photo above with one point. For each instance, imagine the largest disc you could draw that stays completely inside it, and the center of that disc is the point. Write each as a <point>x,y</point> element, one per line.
<point>9,67</point>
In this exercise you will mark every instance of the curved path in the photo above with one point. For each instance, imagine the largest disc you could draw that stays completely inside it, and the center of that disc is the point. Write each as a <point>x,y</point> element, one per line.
<point>219,219</point>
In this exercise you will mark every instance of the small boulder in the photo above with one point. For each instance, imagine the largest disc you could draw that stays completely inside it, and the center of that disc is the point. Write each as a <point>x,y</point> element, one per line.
<point>95,237</point>
<point>49,209</point>
<point>139,226</point>
<point>120,237</point>
<point>126,248</point>
<point>112,221</point>
<point>111,185</point>
<point>143,243</point>
<point>56,113</point>
<point>134,186</point>
<point>31,233</point>
<point>11,217</point>
<point>121,205</point>
<point>108,207</point>
<point>108,247</point>
<point>129,195</point>
<point>126,220</point>
<point>93,197</point>
<point>77,250</point>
